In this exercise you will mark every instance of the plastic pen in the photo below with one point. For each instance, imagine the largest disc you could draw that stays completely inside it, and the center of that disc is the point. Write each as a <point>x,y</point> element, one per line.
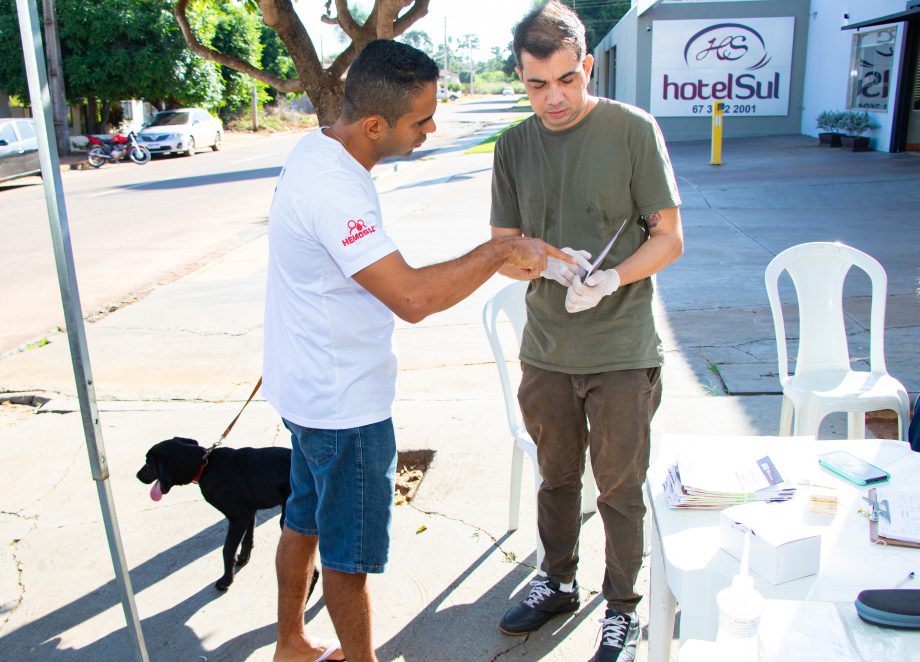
<point>910,576</point>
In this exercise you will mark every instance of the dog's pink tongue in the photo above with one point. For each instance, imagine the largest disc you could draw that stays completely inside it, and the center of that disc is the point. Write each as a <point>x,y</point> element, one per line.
<point>155,492</point>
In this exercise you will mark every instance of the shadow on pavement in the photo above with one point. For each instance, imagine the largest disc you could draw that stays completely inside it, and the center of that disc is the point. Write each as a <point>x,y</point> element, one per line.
<point>430,635</point>
<point>165,632</point>
<point>770,194</point>
<point>203,180</point>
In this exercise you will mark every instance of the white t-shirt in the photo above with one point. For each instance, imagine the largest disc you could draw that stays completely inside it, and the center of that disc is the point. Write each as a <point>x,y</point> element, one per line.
<point>328,357</point>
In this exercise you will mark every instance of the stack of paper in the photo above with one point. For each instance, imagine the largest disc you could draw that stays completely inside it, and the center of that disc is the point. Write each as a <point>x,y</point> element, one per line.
<point>900,514</point>
<point>699,482</point>
<point>822,499</point>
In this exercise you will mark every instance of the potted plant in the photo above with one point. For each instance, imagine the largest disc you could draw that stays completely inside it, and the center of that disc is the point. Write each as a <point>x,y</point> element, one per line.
<point>855,124</point>
<point>829,121</point>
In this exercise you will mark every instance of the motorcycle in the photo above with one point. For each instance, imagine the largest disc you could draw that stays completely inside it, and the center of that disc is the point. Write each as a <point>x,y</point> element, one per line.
<point>116,148</point>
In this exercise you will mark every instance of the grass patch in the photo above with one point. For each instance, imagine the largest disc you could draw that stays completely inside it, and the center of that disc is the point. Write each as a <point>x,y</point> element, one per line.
<point>487,146</point>
<point>273,119</point>
<point>41,342</point>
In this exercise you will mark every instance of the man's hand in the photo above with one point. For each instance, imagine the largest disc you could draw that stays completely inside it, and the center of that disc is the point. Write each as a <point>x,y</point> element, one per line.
<point>563,272</point>
<point>582,296</point>
<point>530,255</point>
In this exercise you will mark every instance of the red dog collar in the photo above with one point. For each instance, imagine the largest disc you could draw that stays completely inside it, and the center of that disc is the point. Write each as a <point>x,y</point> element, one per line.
<point>200,471</point>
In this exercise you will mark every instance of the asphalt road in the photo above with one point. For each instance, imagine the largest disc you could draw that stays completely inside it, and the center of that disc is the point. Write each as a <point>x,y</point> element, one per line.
<point>131,227</point>
<point>134,227</point>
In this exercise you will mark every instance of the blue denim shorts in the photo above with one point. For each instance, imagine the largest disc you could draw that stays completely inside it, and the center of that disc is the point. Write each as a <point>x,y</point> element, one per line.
<point>342,485</point>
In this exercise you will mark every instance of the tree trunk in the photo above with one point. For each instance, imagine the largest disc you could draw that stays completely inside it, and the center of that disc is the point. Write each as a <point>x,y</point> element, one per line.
<point>92,116</point>
<point>327,99</point>
<point>4,103</point>
<point>104,115</point>
<point>324,86</point>
<point>56,78</point>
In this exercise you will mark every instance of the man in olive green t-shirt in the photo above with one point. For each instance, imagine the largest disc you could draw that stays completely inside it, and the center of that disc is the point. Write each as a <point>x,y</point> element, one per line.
<point>571,175</point>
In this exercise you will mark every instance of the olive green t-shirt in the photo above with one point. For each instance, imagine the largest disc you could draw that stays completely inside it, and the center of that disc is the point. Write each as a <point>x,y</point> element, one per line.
<point>574,188</point>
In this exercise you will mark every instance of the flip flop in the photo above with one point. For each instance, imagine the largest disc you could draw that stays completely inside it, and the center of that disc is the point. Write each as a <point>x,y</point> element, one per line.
<point>333,647</point>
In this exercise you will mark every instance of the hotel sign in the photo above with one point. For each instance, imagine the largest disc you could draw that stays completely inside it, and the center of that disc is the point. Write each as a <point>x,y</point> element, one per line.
<point>745,63</point>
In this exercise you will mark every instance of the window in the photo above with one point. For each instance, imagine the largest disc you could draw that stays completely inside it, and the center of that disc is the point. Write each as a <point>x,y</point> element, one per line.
<point>612,72</point>
<point>169,118</point>
<point>26,130</point>
<point>7,133</point>
<point>870,69</point>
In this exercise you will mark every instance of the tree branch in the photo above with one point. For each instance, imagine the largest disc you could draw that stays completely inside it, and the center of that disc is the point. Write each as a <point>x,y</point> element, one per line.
<point>279,15</point>
<point>346,21</point>
<point>342,62</point>
<point>389,9</point>
<point>419,10</point>
<point>280,84</point>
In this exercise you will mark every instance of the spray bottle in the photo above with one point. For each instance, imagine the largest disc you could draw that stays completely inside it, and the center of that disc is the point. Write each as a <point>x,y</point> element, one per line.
<point>740,607</point>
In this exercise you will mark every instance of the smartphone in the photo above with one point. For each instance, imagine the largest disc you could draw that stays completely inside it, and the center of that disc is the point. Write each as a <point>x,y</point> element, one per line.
<point>848,466</point>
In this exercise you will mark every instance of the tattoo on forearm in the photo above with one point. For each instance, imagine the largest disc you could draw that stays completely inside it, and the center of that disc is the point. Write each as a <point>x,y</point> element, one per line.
<point>652,220</point>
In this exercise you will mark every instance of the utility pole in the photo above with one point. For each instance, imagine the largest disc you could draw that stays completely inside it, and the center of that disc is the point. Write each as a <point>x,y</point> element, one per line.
<point>255,107</point>
<point>471,41</point>
<point>56,78</point>
<point>446,57</point>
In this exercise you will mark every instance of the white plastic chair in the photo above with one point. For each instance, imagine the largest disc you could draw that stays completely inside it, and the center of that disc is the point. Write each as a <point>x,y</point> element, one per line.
<point>510,301</point>
<point>824,381</point>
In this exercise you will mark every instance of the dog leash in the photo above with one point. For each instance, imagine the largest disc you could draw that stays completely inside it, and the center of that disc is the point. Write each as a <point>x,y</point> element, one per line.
<point>204,459</point>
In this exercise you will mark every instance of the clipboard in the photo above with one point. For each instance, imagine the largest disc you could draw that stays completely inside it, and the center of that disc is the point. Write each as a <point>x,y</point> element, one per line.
<point>603,254</point>
<point>876,512</point>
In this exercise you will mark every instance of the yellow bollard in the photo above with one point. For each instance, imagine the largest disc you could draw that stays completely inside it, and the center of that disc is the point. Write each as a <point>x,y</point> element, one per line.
<point>717,110</point>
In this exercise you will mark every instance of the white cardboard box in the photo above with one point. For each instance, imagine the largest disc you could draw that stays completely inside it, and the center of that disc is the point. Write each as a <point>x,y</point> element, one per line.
<point>782,547</point>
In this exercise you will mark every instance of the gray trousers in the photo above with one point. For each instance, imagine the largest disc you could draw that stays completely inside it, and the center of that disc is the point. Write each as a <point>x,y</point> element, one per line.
<point>610,413</point>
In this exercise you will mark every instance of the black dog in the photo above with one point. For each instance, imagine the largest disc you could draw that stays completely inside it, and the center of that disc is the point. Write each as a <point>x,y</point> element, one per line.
<point>236,481</point>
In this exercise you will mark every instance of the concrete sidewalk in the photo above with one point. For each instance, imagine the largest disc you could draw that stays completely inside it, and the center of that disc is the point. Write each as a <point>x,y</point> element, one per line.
<point>180,361</point>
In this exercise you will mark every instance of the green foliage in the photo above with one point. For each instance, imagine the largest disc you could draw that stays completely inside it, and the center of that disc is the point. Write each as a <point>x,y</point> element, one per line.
<point>829,120</point>
<point>120,49</point>
<point>487,146</point>
<point>12,74</point>
<point>598,17</point>
<point>237,33</point>
<point>492,77</point>
<point>275,57</point>
<point>857,123</point>
<point>418,39</point>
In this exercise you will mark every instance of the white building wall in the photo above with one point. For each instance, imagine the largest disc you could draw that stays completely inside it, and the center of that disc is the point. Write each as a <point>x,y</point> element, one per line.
<point>624,36</point>
<point>828,60</point>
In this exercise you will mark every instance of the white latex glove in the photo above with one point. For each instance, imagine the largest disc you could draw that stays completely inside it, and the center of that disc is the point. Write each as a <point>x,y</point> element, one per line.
<point>582,296</point>
<point>563,272</point>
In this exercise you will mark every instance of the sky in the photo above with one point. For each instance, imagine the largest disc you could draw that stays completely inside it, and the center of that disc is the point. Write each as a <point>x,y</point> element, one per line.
<point>490,20</point>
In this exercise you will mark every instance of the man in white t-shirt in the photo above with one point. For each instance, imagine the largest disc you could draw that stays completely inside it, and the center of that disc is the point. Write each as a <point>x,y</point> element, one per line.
<point>335,279</point>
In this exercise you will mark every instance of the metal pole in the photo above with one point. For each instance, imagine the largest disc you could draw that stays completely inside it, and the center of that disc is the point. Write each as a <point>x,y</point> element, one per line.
<point>716,142</point>
<point>255,106</point>
<point>40,97</point>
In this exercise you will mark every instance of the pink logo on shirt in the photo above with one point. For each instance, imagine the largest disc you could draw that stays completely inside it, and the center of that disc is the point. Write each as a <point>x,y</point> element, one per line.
<point>356,230</point>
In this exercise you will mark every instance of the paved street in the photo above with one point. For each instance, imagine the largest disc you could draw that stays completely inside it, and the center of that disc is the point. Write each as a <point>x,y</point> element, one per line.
<point>136,227</point>
<point>180,360</point>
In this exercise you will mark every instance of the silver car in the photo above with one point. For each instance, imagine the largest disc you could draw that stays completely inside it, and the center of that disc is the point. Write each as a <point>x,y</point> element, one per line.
<point>184,130</point>
<point>18,148</point>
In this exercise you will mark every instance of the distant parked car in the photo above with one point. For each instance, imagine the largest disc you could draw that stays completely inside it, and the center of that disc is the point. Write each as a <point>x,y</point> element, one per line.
<point>507,91</point>
<point>444,93</point>
<point>18,149</point>
<point>182,130</point>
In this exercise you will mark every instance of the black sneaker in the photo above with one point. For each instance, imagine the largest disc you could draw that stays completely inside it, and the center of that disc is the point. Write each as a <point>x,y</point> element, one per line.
<point>619,637</point>
<point>544,601</point>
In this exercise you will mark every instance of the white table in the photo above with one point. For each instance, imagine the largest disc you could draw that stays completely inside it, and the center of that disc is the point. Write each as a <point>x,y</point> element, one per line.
<point>688,566</point>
